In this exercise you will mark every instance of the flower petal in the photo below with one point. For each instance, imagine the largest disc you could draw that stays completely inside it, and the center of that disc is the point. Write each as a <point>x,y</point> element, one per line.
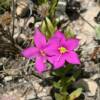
<point>52,48</point>
<point>30,52</point>
<point>72,57</point>
<point>57,61</point>
<point>72,44</point>
<point>39,39</point>
<point>59,34</point>
<point>40,64</point>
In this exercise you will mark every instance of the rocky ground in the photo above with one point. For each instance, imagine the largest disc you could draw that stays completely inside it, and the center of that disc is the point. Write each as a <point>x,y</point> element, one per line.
<point>18,81</point>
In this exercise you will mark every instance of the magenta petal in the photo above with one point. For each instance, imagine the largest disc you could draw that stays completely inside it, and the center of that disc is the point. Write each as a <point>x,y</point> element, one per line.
<point>72,57</point>
<point>40,64</point>
<point>39,39</point>
<point>72,44</point>
<point>57,61</point>
<point>51,49</point>
<point>54,42</point>
<point>30,52</point>
<point>59,34</point>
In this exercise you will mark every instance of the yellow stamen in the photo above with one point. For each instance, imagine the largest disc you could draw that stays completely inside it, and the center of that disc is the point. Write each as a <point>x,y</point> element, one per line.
<point>62,49</point>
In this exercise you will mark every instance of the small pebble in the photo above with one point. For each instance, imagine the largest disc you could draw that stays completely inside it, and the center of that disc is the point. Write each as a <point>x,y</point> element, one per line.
<point>47,98</point>
<point>41,94</point>
<point>31,95</point>
<point>89,85</point>
<point>8,78</point>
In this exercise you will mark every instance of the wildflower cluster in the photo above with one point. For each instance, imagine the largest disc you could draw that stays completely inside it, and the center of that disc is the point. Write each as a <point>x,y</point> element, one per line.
<point>57,50</point>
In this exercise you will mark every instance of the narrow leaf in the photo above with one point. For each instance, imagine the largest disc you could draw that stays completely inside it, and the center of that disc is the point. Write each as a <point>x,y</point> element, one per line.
<point>75,94</point>
<point>50,26</point>
<point>43,27</point>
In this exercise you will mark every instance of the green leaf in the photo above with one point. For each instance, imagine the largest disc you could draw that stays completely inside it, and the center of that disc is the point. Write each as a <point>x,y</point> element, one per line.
<point>98,32</point>
<point>47,28</point>
<point>50,26</point>
<point>42,1</point>
<point>63,83</point>
<point>43,27</point>
<point>70,81</point>
<point>60,96</point>
<point>75,94</point>
<point>56,85</point>
<point>53,7</point>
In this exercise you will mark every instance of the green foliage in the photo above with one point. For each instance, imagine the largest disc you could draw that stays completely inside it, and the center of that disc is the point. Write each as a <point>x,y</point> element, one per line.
<point>75,94</point>
<point>53,7</point>
<point>98,32</point>
<point>64,82</point>
<point>62,71</point>
<point>50,26</point>
<point>60,96</point>
<point>47,27</point>
<point>42,1</point>
<point>4,5</point>
<point>64,96</point>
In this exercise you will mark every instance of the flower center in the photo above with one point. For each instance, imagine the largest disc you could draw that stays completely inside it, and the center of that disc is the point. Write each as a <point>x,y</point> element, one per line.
<point>62,50</point>
<point>42,53</point>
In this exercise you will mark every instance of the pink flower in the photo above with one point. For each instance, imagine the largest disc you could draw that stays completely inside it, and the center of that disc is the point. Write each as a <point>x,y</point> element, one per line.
<point>61,49</point>
<point>37,51</point>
